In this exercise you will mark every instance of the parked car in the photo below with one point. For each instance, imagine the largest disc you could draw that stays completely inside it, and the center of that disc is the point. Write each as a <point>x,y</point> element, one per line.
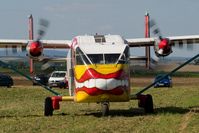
<point>6,80</point>
<point>165,82</point>
<point>58,79</point>
<point>41,78</point>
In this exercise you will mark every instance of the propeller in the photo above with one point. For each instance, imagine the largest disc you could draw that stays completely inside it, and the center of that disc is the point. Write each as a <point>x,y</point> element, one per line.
<point>176,43</point>
<point>162,47</point>
<point>35,48</point>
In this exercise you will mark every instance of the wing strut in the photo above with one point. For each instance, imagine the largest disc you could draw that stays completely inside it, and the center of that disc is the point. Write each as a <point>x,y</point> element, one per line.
<point>27,77</point>
<point>169,74</point>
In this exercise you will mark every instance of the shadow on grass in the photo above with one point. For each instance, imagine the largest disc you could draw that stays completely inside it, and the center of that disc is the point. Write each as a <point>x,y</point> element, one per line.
<point>124,113</point>
<point>30,116</point>
<point>19,116</point>
<point>172,110</point>
<point>140,112</point>
<point>177,110</point>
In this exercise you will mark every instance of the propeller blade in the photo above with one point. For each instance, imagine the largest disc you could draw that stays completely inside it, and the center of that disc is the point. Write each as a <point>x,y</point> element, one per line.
<point>46,65</point>
<point>152,23</point>
<point>154,28</point>
<point>155,60</point>
<point>42,29</point>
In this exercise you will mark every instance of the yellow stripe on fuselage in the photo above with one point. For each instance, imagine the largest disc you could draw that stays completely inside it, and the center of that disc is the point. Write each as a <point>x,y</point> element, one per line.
<point>102,68</point>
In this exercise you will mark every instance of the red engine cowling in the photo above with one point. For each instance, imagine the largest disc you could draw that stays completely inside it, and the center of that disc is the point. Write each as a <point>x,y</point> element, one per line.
<point>35,49</point>
<point>163,47</point>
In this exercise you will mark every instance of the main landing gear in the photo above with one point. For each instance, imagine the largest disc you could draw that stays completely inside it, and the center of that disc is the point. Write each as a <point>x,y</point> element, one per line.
<point>48,107</point>
<point>146,102</point>
<point>53,103</point>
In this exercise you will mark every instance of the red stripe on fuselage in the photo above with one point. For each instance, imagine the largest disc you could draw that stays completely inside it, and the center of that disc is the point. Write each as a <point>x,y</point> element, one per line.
<point>91,73</point>
<point>95,91</point>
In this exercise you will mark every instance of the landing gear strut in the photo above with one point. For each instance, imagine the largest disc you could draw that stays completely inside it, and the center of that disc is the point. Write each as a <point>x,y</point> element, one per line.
<point>146,102</point>
<point>105,108</point>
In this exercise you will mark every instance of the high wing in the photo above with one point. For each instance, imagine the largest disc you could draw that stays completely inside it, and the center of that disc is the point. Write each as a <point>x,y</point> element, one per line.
<point>28,46</point>
<point>135,42</point>
<point>9,43</point>
<point>34,49</point>
<point>142,42</point>
<point>163,46</point>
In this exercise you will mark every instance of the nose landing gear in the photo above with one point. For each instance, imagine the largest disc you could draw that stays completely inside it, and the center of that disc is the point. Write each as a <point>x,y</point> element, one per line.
<point>105,108</point>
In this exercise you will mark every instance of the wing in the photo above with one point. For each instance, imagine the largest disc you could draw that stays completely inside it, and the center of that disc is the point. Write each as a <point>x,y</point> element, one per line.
<point>143,42</point>
<point>11,43</point>
<point>163,46</point>
<point>34,49</point>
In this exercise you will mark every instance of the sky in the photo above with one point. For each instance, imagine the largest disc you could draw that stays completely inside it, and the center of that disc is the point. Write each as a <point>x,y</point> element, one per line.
<point>69,18</point>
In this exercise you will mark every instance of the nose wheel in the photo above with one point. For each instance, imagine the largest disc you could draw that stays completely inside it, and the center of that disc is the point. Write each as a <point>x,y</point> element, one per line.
<point>105,108</point>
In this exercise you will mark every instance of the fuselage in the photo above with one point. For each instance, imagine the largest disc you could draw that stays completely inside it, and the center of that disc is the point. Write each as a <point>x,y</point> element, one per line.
<point>101,70</point>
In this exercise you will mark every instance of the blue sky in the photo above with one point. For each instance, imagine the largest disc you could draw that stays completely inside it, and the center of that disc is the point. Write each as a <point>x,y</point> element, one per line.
<point>69,18</point>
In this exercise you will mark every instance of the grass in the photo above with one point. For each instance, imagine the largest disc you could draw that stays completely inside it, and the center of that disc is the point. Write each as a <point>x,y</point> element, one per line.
<point>144,73</point>
<point>176,110</point>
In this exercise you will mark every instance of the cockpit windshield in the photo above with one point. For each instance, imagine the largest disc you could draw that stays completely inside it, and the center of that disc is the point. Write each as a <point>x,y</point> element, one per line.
<point>104,58</point>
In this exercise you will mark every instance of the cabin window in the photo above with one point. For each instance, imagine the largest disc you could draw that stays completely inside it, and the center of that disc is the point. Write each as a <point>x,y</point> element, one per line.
<point>99,38</point>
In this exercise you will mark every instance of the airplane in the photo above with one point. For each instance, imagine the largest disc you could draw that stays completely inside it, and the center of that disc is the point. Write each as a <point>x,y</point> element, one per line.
<point>98,67</point>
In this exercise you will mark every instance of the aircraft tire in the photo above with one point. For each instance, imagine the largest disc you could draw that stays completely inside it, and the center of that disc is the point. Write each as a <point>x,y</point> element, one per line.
<point>105,109</point>
<point>146,102</point>
<point>148,107</point>
<point>48,108</point>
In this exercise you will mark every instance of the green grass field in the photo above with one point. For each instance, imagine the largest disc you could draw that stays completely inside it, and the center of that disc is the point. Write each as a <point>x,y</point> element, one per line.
<point>176,110</point>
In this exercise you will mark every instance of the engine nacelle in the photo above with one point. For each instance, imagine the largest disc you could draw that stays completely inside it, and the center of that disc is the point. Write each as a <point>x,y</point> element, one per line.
<point>34,49</point>
<point>162,47</point>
